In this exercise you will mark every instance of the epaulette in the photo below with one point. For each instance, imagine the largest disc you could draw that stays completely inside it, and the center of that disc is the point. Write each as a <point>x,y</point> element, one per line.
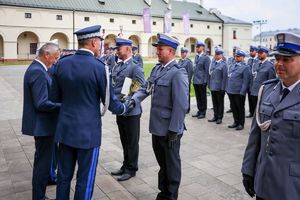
<point>177,66</point>
<point>275,80</point>
<point>189,59</point>
<point>135,62</point>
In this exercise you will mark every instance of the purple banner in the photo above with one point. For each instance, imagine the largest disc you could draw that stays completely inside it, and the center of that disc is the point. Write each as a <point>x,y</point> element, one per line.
<point>186,23</point>
<point>168,22</point>
<point>147,20</point>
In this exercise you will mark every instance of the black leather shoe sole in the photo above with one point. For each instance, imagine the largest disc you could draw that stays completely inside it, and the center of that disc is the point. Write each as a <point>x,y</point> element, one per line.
<point>232,126</point>
<point>125,177</point>
<point>219,121</point>
<point>239,127</point>
<point>212,120</point>
<point>249,116</point>
<point>201,117</point>
<point>117,173</point>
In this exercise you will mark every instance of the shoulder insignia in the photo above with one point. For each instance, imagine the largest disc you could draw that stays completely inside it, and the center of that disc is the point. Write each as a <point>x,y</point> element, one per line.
<point>272,81</point>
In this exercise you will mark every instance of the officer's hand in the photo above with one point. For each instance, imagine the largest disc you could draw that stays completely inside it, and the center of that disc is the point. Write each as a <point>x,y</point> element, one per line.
<point>248,182</point>
<point>130,104</point>
<point>172,139</point>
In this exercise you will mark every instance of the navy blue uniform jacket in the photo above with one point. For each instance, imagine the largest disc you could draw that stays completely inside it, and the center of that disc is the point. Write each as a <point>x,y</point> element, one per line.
<point>39,113</point>
<point>80,84</point>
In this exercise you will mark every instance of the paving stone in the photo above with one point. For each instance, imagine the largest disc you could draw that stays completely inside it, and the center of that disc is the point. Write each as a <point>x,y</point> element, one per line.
<point>230,179</point>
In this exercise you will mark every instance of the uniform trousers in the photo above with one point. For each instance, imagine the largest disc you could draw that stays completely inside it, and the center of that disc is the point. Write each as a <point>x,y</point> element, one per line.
<point>41,166</point>
<point>53,168</point>
<point>258,198</point>
<point>218,103</point>
<point>238,108</point>
<point>201,97</point>
<point>129,130</point>
<point>252,103</point>
<point>87,160</point>
<point>169,161</point>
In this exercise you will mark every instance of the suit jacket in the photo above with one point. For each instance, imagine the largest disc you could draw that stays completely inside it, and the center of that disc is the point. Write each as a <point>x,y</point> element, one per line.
<point>137,57</point>
<point>218,76</point>
<point>272,157</point>
<point>188,65</point>
<point>169,89</point>
<point>39,113</point>
<point>131,69</point>
<point>201,68</point>
<point>238,79</point>
<point>261,73</point>
<point>80,84</point>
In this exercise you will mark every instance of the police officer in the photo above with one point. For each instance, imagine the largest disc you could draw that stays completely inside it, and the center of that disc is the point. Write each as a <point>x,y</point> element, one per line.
<point>231,63</point>
<point>251,62</point>
<point>271,162</point>
<point>81,82</point>
<point>236,87</point>
<point>216,84</point>
<point>129,124</point>
<point>188,65</point>
<point>202,63</point>
<point>136,56</point>
<point>40,115</point>
<point>168,85</point>
<point>261,71</point>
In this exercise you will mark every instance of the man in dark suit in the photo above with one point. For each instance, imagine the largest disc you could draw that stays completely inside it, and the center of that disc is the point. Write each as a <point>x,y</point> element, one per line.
<point>202,63</point>
<point>39,115</point>
<point>271,163</point>
<point>136,56</point>
<point>168,85</point>
<point>81,82</point>
<point>128,124</point>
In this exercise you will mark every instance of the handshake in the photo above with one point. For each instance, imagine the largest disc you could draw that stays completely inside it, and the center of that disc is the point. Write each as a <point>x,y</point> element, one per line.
<point>129,105</point>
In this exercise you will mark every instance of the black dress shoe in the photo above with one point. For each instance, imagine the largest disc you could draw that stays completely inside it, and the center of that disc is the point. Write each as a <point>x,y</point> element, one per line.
<point>51,182</point>
<point>229,111</point>
<point>249,116</point>
<point>117,172</point>
<point>219,121</point>
<point>234,125</point>
<point>125,177</point>
<point>212,120</point>
<point>239,127</point>
<point>196,115</point>
<point>201,116</point>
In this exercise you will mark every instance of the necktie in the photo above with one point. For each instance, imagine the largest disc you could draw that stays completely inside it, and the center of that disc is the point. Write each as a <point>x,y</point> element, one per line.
<point>285,92</point>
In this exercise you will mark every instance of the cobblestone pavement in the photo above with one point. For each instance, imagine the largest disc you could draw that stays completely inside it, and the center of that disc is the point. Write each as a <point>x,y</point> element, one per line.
<point>211,154</point>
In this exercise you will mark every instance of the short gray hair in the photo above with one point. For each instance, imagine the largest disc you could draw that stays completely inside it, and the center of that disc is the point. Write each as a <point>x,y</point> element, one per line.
<point>49,47</point>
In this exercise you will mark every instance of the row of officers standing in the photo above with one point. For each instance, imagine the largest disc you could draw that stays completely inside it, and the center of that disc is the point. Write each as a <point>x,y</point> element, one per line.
<point>233,76</point>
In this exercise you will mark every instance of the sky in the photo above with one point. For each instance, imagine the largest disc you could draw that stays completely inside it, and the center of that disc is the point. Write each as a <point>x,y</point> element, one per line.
<point>280,14</point>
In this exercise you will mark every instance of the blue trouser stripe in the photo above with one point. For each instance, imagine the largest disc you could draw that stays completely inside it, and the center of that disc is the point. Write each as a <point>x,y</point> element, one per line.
<point>91,176</point>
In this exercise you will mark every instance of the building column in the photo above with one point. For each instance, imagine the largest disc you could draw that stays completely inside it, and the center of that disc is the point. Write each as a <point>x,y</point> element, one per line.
<point>10,50</point>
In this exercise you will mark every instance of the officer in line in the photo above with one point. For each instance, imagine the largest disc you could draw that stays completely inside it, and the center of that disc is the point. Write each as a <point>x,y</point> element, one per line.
<point>40,115</point>
<point>251,62</point>
<point>261,71</point>
<point>236,88</point>
<point>271,160</point>
<point>231,63</point>
<point>188,65</point>
<point>168,86</point>
<point>129,124</point>
<point>202,63</point>
<point>136,56</point>
<point>216,84</point>
<point>81,81</point>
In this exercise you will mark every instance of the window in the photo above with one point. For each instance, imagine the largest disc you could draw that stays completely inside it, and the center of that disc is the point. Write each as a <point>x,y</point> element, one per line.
<point>133,21</point>
<point>192,48</point>
<point>173,24</point>
<point>220,27</point>
<point>191,25</point>
<point>208,26</point>
<point>58,17</point>
<point>111,20</point>
<point>270,39</point>
<point>234,34</point>
<point>153,23</point>
<point>86,19</point>
<point>33,48</point>
<point>27,15</point>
